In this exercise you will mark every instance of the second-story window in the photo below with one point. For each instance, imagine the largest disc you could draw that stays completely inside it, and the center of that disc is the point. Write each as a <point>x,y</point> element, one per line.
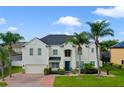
<point>55,52</point>
<point>39,51</point>
<point>67,53</point>
<point>92,50</point>
<point>31,51</point>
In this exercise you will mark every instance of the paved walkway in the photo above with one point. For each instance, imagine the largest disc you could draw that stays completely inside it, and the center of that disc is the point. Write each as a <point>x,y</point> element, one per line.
<point>104,74</point>
<point>47,81</point>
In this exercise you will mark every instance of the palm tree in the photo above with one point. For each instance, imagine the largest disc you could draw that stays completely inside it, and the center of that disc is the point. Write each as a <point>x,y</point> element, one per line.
<point>8,39</point>
<point>99,29</point>
<point>79,39</point>
<point>3,60</point>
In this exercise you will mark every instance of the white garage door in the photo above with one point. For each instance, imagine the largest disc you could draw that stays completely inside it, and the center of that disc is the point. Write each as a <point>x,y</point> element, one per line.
<point>35,68</point>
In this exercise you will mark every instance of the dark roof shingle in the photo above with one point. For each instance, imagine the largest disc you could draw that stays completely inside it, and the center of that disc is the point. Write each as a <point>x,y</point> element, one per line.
<point>55,39</point>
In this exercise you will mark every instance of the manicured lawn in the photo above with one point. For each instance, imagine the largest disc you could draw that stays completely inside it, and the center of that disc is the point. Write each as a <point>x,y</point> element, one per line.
<point>3,84</point>
<point>15,69</point>
<point>91,80</point>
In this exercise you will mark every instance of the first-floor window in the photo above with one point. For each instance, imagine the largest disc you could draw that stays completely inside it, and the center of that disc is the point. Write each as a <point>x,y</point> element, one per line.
<point>77,64</point>
<point>81,64</point>
<point>92,62</point>
<point>55,65</point>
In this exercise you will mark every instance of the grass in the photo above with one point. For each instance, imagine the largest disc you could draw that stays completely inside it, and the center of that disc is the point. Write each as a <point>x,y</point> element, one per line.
<point>3,84</point>
<point>15,69</point>
<point>91,80</point>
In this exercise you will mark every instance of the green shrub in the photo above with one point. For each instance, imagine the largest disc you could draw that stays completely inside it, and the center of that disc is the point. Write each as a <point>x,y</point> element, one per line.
<point>89,69</point>
<point>88,66</point>
<point>46,71</point>
<point>107,68</point>
<point>123,67</point>
<point>61,71</point>
<point>74,71</point>
<point>3,84</point>
<point>116,66</point>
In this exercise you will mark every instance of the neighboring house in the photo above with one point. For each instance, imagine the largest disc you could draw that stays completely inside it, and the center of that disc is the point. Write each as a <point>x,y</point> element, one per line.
<point>105,56</point>
<point>117,53</point>
<point>17,55</point>
<point>17,47</point>
<point>51,51</point>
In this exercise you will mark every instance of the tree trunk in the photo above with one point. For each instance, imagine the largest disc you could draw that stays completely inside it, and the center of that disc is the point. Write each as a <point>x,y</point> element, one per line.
<point>2,71</point>
<point>107,72</point>
<point>79,53</point>
<point>10,58</point>
<point>97,55</point>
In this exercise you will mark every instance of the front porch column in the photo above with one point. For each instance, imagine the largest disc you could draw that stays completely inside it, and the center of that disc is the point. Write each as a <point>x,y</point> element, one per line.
<point>73,63</point>
<point>61,65</point>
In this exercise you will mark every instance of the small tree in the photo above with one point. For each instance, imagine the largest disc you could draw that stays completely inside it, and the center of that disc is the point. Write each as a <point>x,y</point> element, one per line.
<point>107,68</point>
<point>8,39</point>
<point>3,60</point>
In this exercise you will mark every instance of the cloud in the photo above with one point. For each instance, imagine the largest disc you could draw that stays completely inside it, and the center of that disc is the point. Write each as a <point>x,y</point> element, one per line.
<point>121,33</point>
<point>21,24</point>
<point>68,21</point>
<point>66,31</point>
<point>2,21</point>
<point>13,29</point>
<point>115,12</point>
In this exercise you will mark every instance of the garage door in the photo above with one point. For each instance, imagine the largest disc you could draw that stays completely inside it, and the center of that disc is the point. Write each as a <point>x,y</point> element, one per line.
<point>34,68</point>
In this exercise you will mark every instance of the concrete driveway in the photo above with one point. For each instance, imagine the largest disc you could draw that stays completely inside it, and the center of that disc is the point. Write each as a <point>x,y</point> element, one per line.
<point>24,80</point>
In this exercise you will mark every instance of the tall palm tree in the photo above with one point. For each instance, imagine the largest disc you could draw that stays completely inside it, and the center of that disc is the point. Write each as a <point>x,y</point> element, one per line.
<point>8,39</point>
<point>3,60</point>
<point>79,39</point>
<point>99,29</point>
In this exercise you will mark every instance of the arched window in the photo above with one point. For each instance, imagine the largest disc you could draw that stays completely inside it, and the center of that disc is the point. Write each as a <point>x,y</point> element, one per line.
<point>67,53</point>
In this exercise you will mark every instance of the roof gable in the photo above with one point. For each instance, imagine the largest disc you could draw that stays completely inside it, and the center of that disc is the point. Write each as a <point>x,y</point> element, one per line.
<point>33,40</point>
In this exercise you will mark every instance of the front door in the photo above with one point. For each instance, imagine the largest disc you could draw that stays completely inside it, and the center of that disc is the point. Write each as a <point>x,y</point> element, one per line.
<point>67,65</point>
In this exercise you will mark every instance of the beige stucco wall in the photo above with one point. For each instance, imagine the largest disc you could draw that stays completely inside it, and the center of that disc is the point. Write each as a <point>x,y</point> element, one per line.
<point>117,54</point>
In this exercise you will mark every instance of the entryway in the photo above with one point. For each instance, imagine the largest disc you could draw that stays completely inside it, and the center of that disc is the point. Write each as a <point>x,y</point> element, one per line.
<point>67,65</point>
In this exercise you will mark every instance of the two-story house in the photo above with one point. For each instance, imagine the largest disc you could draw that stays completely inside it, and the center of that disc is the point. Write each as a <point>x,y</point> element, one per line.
<point>52,51</point>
